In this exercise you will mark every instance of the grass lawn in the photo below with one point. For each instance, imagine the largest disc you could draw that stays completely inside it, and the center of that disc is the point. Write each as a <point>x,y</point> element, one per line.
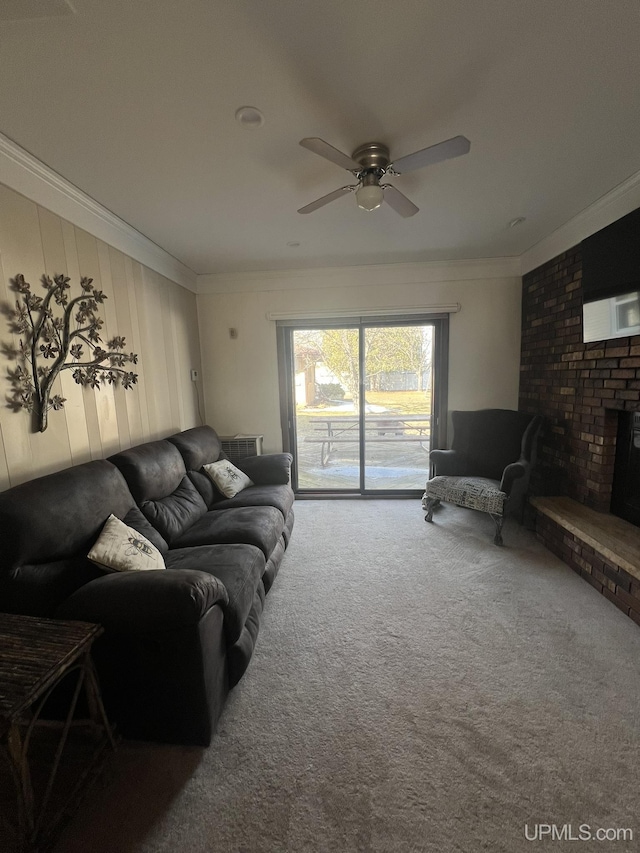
<point>407,402</point>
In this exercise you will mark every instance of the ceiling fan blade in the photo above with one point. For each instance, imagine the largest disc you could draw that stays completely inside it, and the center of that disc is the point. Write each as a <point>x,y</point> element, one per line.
<point>398,201</point>
<point>454,147</point>
<point>320,202</point>
<point>319,146</point>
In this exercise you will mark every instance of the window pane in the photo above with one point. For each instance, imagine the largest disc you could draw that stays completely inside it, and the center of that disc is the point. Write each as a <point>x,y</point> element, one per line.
<point>398,376</point>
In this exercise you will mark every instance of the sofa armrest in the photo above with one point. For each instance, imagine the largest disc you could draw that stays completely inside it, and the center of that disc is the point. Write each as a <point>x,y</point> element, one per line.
<point>514,471</point>
<point>145,602</point>
<point>272,469</point>
<point>448,463</point>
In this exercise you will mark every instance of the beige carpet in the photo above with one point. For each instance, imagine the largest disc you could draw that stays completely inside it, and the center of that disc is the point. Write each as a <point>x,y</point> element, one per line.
<point>414,688</point>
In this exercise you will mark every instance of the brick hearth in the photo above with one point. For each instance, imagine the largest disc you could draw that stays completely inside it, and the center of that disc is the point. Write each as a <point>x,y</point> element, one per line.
<point>579,388</point>
<point>601,548</point>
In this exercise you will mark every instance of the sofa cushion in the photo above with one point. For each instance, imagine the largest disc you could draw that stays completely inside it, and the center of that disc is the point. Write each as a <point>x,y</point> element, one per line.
<point>122,549</point>
<point>177,512</point>
<point>152,470</point>
<point>135,519</point>
<point>227,478</point>
<point>280,497</point>
<point>261,526</point>
<point>211,494</point>
<point>198,446</point>
<point>60,515</point>
<point>238,567</point>
<point>272,469</point>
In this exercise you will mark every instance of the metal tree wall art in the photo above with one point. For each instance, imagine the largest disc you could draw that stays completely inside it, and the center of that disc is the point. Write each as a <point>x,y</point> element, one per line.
<point>59,333</point>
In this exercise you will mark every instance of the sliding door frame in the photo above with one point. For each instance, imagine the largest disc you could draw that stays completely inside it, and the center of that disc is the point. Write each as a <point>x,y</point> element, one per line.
<point>286,379</point>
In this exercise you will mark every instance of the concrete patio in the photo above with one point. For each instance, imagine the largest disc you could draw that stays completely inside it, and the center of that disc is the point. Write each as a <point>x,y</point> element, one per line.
<point>389,465</point>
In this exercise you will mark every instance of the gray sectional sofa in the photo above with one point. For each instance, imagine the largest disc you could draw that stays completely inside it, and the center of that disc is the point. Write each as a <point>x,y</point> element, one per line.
<point>175,640</point>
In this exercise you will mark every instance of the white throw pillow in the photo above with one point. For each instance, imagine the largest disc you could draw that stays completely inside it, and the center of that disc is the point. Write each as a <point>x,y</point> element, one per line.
<point>229,479</point>
<point>120,548</point>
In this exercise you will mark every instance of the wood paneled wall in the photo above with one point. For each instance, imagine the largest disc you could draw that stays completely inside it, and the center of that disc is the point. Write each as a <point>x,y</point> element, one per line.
<point>157,317</point>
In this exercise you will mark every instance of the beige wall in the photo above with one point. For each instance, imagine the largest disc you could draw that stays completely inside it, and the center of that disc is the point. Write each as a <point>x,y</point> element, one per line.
<point>156,316</point>
<point>241,375</point>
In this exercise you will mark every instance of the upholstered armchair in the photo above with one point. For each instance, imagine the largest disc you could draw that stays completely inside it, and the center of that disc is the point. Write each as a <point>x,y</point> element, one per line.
<point>488,465</point>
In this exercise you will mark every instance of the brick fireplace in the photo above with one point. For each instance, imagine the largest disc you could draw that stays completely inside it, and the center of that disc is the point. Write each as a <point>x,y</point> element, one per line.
<point>580,389</point>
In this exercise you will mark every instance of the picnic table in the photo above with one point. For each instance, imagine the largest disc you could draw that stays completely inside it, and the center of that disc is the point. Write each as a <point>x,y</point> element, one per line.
<point>334,429</point>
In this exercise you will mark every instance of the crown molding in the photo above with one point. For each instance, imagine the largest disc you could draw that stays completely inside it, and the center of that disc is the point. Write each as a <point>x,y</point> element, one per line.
<point>360,276</point>
<point>613,205</point>
<point>27,175</point>
<point>24,173</point>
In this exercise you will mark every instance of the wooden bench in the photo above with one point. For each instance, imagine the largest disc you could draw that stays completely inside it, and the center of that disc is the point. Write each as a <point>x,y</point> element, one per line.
<point>327,442</point>
<point>379,428</point>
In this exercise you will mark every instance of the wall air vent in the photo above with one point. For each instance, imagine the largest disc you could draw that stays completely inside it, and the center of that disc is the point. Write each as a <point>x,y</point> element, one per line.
<point>240,446</point>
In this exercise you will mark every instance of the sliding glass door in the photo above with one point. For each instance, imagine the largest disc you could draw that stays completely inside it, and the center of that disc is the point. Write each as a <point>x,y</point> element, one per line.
<point>362,403</point>
<point>327,416</point>
<point>397,406</point>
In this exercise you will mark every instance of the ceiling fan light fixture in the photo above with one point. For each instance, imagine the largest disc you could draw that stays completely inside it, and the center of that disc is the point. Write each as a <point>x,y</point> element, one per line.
<point>370,163</point>
<point>369,196</point>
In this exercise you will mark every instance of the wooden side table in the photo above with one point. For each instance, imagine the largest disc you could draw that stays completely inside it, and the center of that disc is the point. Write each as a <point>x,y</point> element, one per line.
<point>35,655</point>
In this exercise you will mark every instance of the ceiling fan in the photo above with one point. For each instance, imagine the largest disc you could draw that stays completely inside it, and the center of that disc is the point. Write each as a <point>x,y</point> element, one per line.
<point>370,163</point>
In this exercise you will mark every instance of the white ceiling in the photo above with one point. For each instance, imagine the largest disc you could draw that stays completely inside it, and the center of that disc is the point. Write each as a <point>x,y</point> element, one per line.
<point>134,103</point>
